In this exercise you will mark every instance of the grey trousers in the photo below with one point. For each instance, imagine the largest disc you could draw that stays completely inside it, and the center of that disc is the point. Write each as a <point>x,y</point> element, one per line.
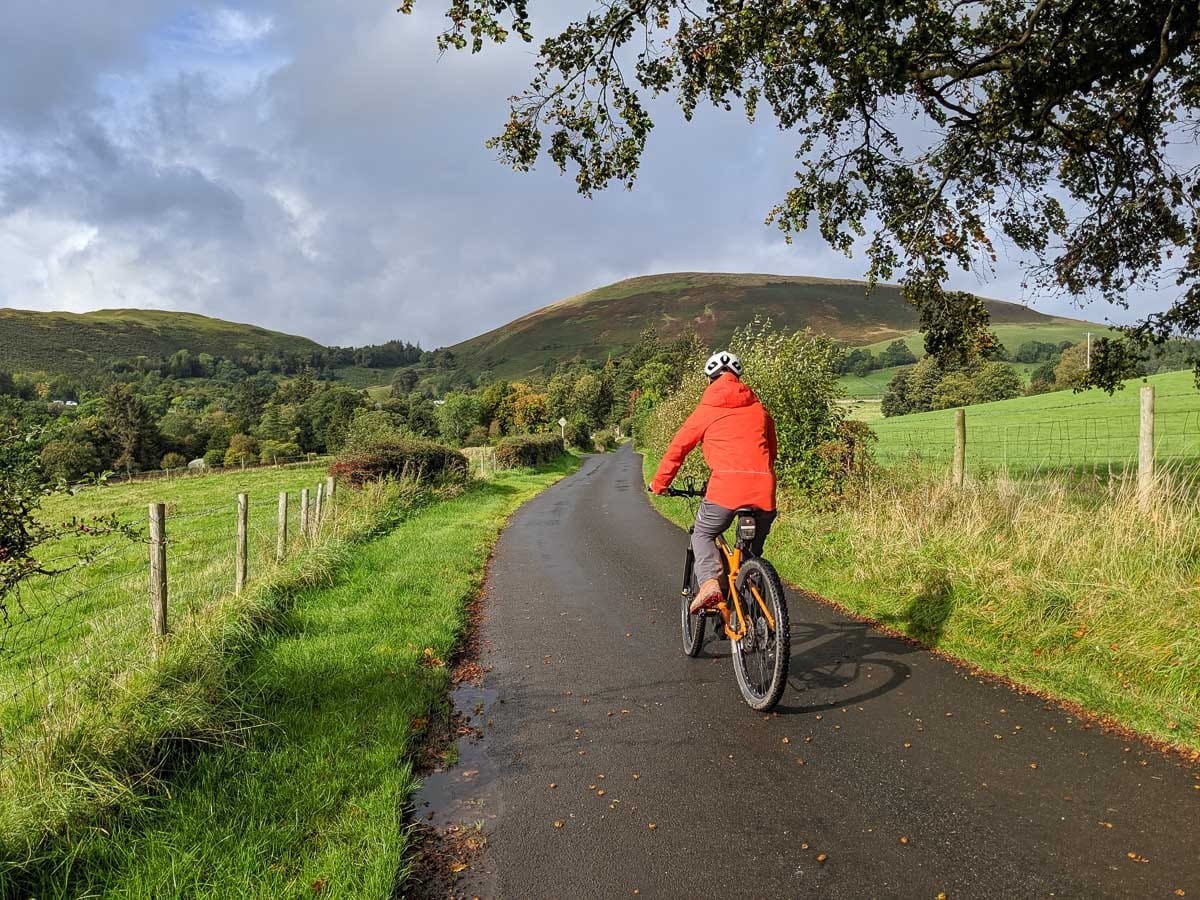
<point>712,520</point>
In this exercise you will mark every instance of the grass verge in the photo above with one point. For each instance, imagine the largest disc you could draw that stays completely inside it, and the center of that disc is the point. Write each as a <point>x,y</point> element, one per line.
<point>1080,596</point>
<point>312,802</point>
<point>141,713</point>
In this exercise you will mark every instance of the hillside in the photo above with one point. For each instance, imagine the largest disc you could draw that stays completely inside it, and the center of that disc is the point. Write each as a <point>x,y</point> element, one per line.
<point>608,320</point>
<point>73,343</point>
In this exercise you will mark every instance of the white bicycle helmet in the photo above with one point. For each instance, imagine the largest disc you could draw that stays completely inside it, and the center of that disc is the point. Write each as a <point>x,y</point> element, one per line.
<point>723,359</point>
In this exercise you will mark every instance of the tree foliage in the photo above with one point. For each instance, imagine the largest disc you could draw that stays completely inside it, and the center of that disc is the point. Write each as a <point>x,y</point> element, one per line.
<point>932,128</point>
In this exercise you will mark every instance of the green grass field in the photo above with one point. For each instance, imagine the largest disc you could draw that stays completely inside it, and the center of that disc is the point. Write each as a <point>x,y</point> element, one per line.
<point>86,693</point>
<point>310,803</point>
<point>87,621</point>
<point>1060,431</point>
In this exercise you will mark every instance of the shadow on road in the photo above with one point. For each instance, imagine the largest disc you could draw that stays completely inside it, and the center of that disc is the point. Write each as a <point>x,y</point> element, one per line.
<point>840,656</point>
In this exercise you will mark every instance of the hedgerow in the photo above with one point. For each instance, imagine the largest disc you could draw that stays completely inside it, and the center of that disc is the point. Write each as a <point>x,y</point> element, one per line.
<point>409,457</point>
<point>528,450</point>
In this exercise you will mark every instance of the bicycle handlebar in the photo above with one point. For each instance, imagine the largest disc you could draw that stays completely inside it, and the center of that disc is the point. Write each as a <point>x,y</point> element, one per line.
<point>689,491</point>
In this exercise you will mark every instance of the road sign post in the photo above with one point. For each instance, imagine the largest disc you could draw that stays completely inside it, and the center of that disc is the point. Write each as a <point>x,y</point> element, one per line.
<point>562,428</point>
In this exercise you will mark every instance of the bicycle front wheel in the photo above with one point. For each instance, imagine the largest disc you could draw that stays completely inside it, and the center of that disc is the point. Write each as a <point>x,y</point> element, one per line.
<point>760,658</point>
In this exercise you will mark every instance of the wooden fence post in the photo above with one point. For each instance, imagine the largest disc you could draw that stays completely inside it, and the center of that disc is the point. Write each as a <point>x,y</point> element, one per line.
<point>330,486</point>
<point>316,517</point>
<point>1145,482</point>
<point>304,513</point>
<point>281,531</point>
<point>158,568</point>
<point>243,505</point>
<point>960,447</point>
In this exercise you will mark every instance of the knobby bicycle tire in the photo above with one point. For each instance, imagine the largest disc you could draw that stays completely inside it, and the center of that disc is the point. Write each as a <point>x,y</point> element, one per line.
<point>762,672</point>
<point>693,626</point>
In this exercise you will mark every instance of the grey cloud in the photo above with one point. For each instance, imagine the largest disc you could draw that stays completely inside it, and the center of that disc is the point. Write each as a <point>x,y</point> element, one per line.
<point>336,183</point>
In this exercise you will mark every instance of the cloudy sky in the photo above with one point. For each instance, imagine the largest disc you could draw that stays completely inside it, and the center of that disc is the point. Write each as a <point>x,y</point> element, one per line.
<point>317,168</point>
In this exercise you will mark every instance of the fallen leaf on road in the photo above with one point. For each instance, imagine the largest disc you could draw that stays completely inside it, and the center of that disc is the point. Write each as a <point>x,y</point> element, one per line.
<point>1137,858</point>
<point>907,745</point>
<point>636,776</point>
<point>554,709</point>
<point>459,867</point>
<point>652,826</point>
<point>558,823</point>
<point>903,840</point>
<point>553,785</point>
<point>787,740</point>
<point>1106,824</point>
<point>804,846</point>
<point>941,896</point>
<point>821,857</point>
<point>1033,765</point>
<point>600,793</point>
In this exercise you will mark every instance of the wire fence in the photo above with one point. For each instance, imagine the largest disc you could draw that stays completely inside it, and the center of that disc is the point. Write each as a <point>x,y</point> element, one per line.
<point>198,471</point>
<point>1096,440</point>
<point>68,641</point>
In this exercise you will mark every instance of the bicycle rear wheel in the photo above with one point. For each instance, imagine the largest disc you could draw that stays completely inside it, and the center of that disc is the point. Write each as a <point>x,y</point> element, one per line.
<point>760,658</point>
<point>693,626</point>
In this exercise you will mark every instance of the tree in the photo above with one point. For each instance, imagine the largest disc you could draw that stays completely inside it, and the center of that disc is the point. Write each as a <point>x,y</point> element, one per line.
<point>173,460</point>
<point>130,428</point>
<point>1046,124</point>
<point>457,416</point>
<point>587,400</point>
<point>243,450</point>
<point>1071,371</point>
<point>924,379</point>
<point>895,399</point>
<point>997,381</point>
<point>404,382</point>
<point>68,460</point>
<point>896,354</point>
<point>955,389</point>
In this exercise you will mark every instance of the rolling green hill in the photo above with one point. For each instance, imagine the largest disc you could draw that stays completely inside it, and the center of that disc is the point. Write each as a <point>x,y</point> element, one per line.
<point>608,320</point>
<point>73,343</point>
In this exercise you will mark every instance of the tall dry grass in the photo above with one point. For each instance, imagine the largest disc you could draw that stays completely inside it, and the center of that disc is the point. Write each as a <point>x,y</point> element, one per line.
<point>1069,588</point>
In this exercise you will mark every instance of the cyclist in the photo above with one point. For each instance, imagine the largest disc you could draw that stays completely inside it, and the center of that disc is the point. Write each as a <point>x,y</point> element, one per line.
<point>738,435</point>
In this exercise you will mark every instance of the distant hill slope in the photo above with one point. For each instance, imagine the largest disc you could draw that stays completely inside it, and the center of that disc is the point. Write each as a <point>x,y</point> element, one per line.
<point>608,320</point>
<point>60,342</point>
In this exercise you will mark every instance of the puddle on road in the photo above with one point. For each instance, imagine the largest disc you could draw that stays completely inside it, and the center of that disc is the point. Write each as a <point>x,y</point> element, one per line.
<point>467,792</point>
<point>460,802</point>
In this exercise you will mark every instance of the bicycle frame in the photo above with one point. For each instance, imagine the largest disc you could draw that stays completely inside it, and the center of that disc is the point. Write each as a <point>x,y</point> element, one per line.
<point>733,559</point>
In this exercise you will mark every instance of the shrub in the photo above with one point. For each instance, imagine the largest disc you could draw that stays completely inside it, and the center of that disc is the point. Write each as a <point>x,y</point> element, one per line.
<point>214,459</point>
<point>476,437</point>
<point>69,460</point>
<point>528,450</point>
<point>173,461</point>
<point>243,449</point>
<point>273,451</point>
<point>577,434</point>
<point>371,428</point>
<point>409,457</point>
<point>793,373</point>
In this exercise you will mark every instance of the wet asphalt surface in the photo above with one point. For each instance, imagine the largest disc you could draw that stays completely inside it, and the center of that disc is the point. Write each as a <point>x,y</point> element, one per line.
<point>886,772</point>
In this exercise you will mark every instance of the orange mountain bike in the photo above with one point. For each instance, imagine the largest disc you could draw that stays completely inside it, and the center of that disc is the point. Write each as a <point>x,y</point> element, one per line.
<point>753,614</point>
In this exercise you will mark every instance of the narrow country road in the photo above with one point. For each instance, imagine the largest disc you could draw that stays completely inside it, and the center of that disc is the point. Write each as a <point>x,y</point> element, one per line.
<point>887,772</point>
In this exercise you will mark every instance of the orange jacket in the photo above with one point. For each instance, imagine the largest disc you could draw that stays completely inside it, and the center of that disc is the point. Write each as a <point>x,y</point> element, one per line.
<point>739,446</point>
